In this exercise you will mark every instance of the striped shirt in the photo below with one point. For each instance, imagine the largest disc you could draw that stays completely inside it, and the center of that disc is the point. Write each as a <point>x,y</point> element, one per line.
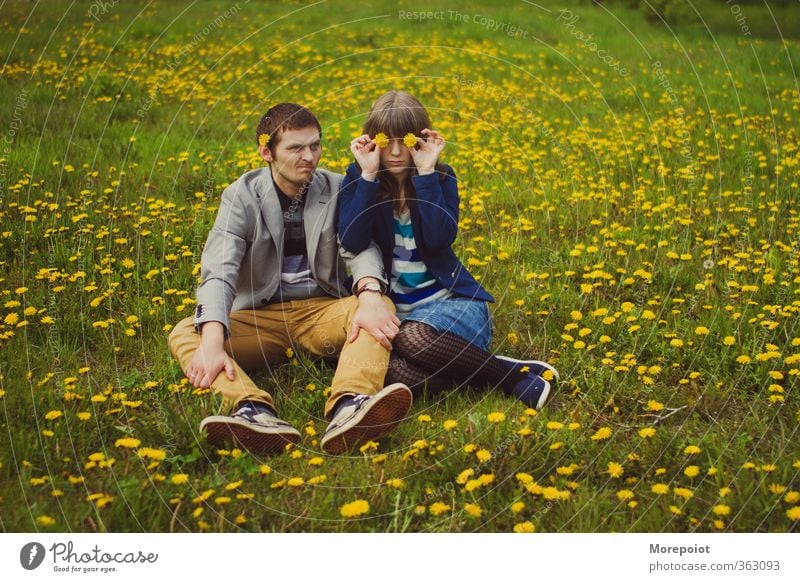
<point>297,281</point>
<point>412,283</point>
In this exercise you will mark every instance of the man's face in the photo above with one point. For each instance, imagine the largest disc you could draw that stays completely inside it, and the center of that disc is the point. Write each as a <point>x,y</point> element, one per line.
<point>295,156</point>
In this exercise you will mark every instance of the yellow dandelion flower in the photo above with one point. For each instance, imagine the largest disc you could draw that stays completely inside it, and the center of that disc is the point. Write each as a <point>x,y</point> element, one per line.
<point>692,450</point>
<point>438,508</point>
<point>524,527</point>
<point>354,508</point>
<point>660,489</point>
<point>517,507</point>
<point>647,432</point>
<point>601,434</point>
<point>381,140</point>
<point>295,482</point>
<point>701,330</point>
<point>127,443</point>
<point>410,140</point>
<point>721,509</point>
<point>483,455</point>
<point>793,513</point>
<point>729,340</point>
<point>495,417</point>
<point>473,509</point>
<point>683,492</point>
<point>624,494</point>
<point>449,424</point>
<point>45,520</point>
<point>791,497</point>
<point>179,478</point>
<point>654,405</point>
<point>53,415</point>
<point>263,140</point>
<point>691,471</point>
<point>615,470</point>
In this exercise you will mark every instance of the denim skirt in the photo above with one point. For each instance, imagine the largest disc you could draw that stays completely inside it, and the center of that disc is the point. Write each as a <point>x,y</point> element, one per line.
<point>464,317</point>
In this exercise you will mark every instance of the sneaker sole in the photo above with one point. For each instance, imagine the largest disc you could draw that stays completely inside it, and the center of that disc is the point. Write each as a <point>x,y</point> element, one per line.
<point>386,410</point>
<point>223,430</point>
<point>545,395</point>
<point>544,365</point>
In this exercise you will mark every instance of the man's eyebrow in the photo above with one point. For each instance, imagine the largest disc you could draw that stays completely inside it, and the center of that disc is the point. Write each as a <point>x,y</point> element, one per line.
<point>298,144</point>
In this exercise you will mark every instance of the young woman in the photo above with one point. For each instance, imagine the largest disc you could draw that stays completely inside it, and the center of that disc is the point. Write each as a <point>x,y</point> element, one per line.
<point>399,195</point>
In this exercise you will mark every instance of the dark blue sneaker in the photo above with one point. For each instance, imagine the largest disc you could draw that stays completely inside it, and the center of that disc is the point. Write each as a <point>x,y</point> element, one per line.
<point>365,418</point>
<point>252,426</point>
<point>535,367</point>
<point>532,390</point>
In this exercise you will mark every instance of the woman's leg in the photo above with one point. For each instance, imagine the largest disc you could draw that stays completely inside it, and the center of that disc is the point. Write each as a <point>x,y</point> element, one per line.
<point>447,355</point>
<point>417,379</point>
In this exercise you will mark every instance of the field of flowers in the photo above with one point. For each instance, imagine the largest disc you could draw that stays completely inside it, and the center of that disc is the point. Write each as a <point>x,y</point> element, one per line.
<point>629,195</point>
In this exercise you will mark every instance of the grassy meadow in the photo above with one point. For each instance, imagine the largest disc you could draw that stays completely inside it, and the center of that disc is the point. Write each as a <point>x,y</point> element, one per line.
<point>629,195</point>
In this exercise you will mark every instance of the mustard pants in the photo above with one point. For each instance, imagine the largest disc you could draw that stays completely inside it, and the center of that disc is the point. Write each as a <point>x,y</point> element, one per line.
<point>259,337</point>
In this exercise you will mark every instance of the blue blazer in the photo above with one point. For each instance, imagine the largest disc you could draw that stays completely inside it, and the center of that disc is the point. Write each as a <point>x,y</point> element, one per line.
<point>434,220</point>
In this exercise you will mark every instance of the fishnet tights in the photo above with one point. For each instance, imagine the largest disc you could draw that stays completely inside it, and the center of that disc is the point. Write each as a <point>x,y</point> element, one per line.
<point>420,354</point>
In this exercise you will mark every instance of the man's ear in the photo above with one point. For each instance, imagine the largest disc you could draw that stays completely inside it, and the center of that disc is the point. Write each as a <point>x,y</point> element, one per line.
<point>266,155</point>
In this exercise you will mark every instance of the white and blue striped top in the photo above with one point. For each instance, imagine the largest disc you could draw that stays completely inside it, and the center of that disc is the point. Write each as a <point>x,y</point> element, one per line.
<point>412,283</point>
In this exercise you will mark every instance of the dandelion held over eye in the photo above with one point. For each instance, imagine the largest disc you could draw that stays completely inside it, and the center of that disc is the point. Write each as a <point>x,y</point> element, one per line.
<point>410,140</point>
<point>381,140</point>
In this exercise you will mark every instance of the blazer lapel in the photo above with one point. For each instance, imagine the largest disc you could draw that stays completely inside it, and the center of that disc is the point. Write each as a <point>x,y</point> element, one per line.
<point>318,198</point>
<point>271,209</point>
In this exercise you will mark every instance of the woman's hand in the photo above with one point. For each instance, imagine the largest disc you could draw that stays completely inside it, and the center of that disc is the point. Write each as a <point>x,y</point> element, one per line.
<point>427,151</point>
<point>368,156</point>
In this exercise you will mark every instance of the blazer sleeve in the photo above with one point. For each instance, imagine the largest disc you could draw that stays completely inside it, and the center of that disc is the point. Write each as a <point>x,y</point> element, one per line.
<point>437,201</point>
<point>358,211</point>
<point>221,260</point>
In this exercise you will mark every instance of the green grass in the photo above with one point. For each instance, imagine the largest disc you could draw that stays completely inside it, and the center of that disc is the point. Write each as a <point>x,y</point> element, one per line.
<point>665,196</point>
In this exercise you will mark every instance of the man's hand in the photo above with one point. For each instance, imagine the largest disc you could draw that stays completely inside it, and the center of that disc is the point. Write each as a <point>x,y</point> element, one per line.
<point>376,318</point>
<point>210,358</point>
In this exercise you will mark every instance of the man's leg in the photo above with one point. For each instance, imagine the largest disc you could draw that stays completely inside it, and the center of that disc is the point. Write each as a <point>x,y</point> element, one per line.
<point>359,408</point>
<point>322,327</point>
<point>256,339</point>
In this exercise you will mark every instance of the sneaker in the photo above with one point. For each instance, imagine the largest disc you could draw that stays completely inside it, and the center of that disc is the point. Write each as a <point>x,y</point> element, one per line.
<point>256,429</point>
<point>366,418</point>
<point>536,367</point>
<point>533,391</point>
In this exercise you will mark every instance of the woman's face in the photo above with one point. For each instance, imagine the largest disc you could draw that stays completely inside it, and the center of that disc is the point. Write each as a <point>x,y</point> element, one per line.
<point>396,158</point>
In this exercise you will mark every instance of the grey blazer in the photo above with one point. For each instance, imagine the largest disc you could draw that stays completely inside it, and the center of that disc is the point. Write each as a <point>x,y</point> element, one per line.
<point>241,261</point>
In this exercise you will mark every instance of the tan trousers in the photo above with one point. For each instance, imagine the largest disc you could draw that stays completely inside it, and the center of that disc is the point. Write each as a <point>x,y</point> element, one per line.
<point>261,336</point>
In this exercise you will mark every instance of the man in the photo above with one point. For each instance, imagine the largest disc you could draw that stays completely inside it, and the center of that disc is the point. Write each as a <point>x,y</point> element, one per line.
<point>272,277</point>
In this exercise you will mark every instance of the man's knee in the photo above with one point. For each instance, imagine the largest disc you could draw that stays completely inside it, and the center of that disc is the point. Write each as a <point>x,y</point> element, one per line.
<point>179,332</point>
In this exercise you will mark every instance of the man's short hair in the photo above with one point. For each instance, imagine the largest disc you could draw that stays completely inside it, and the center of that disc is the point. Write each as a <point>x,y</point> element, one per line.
<point>282,117</point>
